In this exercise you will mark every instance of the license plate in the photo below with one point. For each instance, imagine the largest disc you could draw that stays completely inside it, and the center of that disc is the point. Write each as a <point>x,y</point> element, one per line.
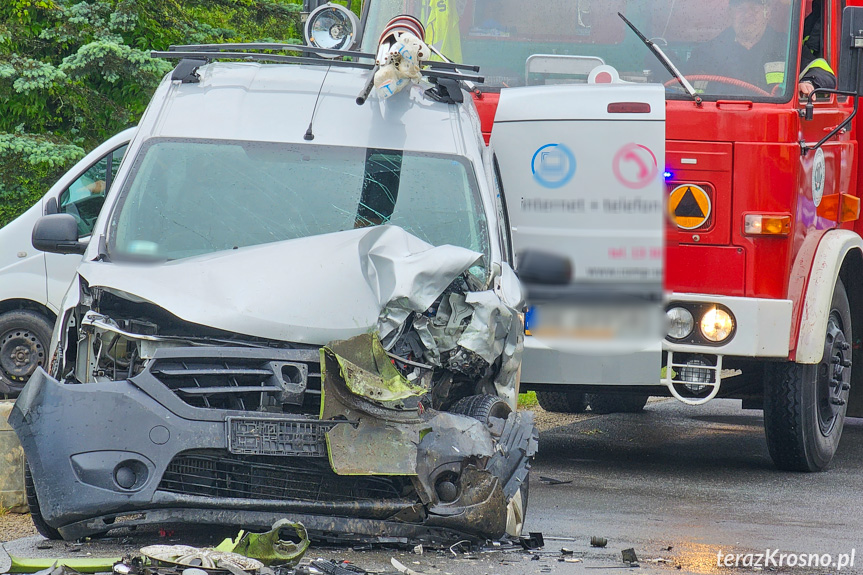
<point>259,436</point>
<point>599,322</point>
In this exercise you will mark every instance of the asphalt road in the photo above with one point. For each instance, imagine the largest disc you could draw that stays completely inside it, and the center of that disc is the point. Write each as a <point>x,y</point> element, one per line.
<point>676,484</point>
<point>698,480</point>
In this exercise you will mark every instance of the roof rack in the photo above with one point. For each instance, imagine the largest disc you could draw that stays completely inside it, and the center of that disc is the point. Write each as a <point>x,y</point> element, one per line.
<point>194,56</point>
<point>258,46</point>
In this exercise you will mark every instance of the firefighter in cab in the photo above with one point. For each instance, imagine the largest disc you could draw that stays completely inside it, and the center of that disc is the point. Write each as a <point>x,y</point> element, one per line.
<point>752,50</point>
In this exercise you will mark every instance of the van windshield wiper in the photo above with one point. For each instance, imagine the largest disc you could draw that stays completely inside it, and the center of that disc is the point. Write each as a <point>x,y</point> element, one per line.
<point>665,60</point>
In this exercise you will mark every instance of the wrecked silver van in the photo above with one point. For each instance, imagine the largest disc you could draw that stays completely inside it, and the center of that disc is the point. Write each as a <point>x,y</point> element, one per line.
<point>292,306</point>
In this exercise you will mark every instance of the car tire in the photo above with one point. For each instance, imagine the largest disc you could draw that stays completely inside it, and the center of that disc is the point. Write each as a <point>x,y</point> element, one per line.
<point>562,401</point>
<point>805,405</point>
<point>603,403</point>
<point>482,407</point>
<point>43,528</point>
<point>24,339</point>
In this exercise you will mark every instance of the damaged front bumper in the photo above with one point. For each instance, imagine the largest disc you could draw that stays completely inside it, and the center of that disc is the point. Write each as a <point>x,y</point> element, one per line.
<point>142,451</point>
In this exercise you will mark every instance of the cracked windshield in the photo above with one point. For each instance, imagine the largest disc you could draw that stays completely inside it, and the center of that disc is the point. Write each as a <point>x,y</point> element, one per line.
<point>185,191</point>
<point>725,48</point>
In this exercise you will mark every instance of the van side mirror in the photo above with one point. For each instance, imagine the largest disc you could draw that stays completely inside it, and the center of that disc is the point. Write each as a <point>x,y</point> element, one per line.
<point>538,267</point>
<point>851,51</point>
<point>57,234</point>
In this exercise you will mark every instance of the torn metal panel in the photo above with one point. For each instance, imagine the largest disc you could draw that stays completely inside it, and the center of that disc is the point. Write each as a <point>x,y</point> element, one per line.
<point>365,269</point>
<point>467,473</point>
<point>377,440</point>
<point>489,326</point>
<point>472,334</point>
<point>369,442</point>
<point>368,371</point>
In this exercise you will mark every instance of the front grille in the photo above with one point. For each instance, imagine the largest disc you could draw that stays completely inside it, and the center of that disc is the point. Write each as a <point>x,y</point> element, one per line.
<point>241,379</point>
<point>222,475</point>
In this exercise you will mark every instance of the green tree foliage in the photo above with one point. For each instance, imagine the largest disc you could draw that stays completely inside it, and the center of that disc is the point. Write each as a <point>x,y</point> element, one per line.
<point>75,72</point>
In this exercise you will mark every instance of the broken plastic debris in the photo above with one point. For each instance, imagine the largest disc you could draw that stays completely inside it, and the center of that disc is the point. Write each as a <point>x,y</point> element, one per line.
<point>332,568</point>
<point>402,568</point>
<point>58,570</point>
<point>629,556</point>
<point>269,548</point>
<point>553,481</point>
<point>187,556</point>
<point>12,564</point>
<point>534,540</point>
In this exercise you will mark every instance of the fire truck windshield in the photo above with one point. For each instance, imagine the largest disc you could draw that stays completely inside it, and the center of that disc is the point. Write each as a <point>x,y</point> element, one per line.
<point>725,48</point>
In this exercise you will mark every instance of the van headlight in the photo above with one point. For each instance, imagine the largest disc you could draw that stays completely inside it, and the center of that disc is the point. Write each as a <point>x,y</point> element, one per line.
<point>680,322</point>
<point>717,325</point>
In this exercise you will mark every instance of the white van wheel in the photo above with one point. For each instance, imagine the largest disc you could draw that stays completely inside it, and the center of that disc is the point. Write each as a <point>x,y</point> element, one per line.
<point>24,339</point>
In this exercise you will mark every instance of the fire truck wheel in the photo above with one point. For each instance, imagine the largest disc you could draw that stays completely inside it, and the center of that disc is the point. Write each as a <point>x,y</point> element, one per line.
<point>603,403</point>
<point>804,405</point>
<point>562,401</point>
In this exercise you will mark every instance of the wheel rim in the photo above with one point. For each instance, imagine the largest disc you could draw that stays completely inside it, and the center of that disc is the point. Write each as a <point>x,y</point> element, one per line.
<point>834,375</point>
<point>21,352</point>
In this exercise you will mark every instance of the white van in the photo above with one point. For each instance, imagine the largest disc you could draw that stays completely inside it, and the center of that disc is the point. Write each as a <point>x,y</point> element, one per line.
<point>32,283</point>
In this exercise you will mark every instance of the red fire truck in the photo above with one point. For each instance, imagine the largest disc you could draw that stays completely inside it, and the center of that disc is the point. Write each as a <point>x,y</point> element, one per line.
<point>763,254</point>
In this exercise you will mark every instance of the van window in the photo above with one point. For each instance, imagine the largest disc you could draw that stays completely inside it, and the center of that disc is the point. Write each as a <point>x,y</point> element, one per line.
<point>84,198</point>
<point>187,198</point>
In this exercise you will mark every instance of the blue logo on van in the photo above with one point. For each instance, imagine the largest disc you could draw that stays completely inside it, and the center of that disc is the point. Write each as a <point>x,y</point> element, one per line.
<point>553,165</point>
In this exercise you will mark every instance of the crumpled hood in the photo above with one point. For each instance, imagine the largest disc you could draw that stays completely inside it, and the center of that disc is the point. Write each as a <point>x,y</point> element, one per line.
<point>309,290</point>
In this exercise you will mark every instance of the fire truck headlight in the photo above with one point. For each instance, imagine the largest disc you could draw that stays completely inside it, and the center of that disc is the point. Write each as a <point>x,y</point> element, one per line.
<point>680,322</point>
<point>717,325</point>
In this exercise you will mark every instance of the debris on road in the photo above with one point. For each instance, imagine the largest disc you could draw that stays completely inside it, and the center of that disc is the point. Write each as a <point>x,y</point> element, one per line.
<point>187,556</point>
<point>553,481</point>
<point>269,548</point>
<point>629,557</point>
<point>598,541</point>
<point>13,564</point>
<point>329,567</point>
<point>534,540</point>
<point>403,568</point>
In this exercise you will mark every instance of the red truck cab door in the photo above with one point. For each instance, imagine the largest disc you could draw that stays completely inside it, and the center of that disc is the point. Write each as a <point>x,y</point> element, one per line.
<point>825,172</point>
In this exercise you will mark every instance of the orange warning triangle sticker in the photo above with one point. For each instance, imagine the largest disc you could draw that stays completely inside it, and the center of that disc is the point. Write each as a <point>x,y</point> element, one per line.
<point>689,206</point>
